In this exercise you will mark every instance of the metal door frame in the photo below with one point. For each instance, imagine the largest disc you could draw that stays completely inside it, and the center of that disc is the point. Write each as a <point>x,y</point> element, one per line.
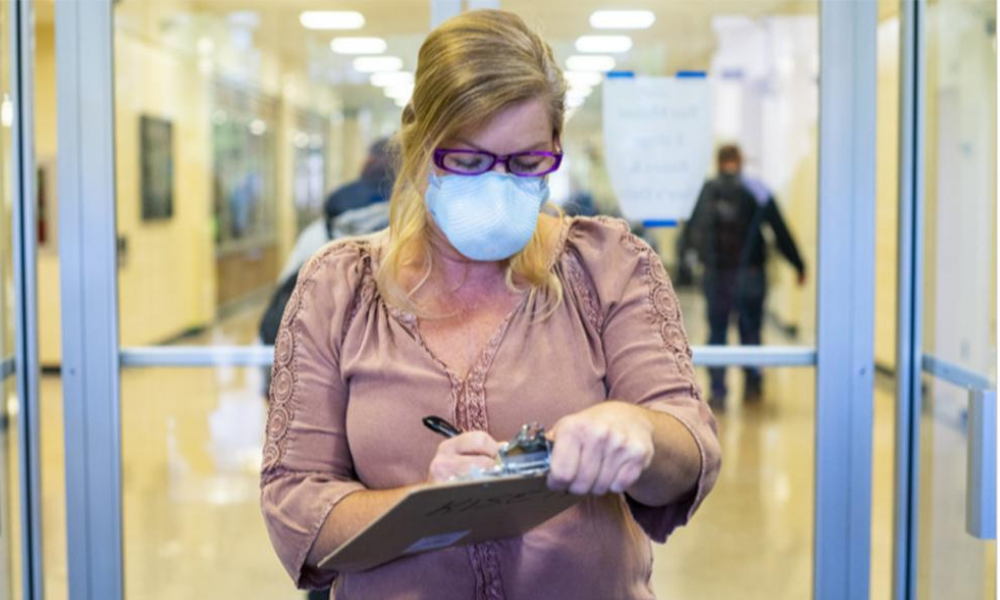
<point>20,36</point>
<point>89,299</point>
<point>911,362</point>
<point>909,299</point>
<point>845,298</point>
<point>92,356</point>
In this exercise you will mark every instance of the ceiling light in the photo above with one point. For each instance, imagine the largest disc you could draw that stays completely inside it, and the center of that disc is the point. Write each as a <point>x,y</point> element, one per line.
<point>258,127</point>
<point>392,78</point>
<point>402,91</point>
<point>596,62</point>
<point>358,45</point>
<point>243,18</point>
<point>582,78</point>
<point>603,43</point>
<point>622,19</point>
<point>205,45</point>
<point>332,19</point>
<point>575,101</point>
<point>579,90</point>
<point>375,64</point>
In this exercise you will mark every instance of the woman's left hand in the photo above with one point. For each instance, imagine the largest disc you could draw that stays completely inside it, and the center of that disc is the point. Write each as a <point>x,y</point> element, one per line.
<point>604,448</point>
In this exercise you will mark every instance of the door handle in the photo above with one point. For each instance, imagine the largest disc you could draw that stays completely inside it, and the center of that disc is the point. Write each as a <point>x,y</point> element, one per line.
<point>981,483</point>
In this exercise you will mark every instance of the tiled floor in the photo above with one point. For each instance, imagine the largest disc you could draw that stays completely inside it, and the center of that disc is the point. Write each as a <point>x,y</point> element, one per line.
<point>192,527</point>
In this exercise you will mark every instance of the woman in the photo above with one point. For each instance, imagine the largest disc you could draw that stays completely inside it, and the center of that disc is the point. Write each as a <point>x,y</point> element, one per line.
<point>477,307</point>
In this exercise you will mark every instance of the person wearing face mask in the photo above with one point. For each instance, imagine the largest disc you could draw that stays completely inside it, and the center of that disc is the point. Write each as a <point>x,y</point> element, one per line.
<point>481,303</point>
<point>725,233</point>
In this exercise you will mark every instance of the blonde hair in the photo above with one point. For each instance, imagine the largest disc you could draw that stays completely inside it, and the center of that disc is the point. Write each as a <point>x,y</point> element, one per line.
<point>469,69</point>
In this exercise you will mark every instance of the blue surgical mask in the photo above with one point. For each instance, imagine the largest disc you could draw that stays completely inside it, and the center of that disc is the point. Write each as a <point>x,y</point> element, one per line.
<point>486,217</point>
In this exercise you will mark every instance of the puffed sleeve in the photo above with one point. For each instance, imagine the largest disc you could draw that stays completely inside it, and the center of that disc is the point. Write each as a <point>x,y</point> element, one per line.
<point>307,467</point>
<point>646,352</point>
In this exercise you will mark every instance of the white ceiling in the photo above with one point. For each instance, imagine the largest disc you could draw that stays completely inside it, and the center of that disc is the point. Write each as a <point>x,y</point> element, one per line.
<point>682,28</point>
<point>680,39</point>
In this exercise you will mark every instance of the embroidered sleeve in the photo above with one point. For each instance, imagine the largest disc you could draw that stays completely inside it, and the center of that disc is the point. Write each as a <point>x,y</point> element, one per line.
<point>307,467</point>
<point>646,351</point>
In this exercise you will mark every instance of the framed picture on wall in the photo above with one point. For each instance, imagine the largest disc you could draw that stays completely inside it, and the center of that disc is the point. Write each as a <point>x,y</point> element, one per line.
<point>45,190</point>
<point>156,151</point>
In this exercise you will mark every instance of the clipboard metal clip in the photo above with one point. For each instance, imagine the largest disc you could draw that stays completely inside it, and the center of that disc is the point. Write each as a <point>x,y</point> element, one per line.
<point>527,453</point>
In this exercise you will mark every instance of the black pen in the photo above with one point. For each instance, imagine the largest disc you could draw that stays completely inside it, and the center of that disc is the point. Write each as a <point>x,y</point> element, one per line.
<point>439,425</point>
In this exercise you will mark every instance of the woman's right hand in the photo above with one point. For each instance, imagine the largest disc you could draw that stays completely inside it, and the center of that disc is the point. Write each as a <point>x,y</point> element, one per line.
<point>458,455</point>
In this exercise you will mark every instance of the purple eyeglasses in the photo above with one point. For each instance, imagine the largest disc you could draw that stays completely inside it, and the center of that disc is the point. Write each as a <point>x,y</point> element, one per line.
<point>477,162</point>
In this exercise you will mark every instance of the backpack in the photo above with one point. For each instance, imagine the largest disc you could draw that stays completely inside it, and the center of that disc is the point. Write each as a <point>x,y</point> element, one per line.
<point>733,219</point>
<point>271,320</point>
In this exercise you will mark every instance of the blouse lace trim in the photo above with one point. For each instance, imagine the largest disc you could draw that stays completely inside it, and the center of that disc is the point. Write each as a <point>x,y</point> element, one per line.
<point>281,405</point>
<point>663,311</point>
<point>584,289</point>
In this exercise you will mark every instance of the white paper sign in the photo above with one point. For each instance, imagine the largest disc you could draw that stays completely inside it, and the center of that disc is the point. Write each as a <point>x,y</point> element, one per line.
<point>658,144</point>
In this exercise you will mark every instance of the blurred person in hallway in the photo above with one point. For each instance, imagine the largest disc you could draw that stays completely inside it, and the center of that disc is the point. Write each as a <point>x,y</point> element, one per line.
<point>339,218</point>
<point>725,232</point>
<point>357,208</point>
<point>581,202</point>
<point>374,184</point>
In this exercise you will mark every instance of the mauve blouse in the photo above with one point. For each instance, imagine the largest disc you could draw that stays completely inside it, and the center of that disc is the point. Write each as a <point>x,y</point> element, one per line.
<point>352,380</point>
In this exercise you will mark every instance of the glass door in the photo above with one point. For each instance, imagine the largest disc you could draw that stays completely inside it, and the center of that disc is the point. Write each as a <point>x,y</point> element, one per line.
<point>193,178</point>
<point>11,584</point>
<point>956,519</point>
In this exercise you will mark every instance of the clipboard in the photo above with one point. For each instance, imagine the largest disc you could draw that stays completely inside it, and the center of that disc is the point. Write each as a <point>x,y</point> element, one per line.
<point>456,513</point>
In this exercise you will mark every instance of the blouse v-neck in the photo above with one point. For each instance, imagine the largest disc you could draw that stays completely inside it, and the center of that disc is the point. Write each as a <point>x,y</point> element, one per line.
<point>479,367</point>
